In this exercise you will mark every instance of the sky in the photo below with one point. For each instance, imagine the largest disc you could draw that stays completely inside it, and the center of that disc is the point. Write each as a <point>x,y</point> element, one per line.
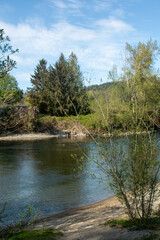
<point>95,30</point>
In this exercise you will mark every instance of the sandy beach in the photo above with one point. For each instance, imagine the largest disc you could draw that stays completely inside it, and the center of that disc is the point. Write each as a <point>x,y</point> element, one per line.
<point>87,222</point>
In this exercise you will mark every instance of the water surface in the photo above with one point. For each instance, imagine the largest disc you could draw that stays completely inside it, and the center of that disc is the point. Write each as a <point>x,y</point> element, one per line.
<point>44,174</point>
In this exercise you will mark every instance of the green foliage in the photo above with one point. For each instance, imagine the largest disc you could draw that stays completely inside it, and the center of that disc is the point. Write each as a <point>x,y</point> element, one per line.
<point>103,86</point>
<point>47,124</point>
<point>59,90</point>
<point>123,223</point>
<point>37,94</point>
<point>6,63</point>
<point>131,168</point>
<point>21,228</point>
<point>42,234</point>
<point>18,120</point>
<point>9,91</point>
<point>130,102</point>
<point>134,178</point>
<point>27,216</point>
<point>152,223</point>
<point>141,80</point>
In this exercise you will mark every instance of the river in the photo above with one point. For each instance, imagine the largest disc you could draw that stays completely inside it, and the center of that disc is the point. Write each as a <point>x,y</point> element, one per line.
<point>47,175</point>
<point>44,173</point>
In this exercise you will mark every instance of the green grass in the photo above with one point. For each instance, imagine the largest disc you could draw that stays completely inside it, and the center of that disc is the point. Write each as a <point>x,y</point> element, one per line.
<point>42,234</point>
<point>117,122</point>
<point>151,223</point>
<point>86,120</point>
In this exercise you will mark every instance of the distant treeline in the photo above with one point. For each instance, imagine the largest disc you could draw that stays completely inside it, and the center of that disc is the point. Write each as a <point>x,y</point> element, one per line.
<point>100,87</point>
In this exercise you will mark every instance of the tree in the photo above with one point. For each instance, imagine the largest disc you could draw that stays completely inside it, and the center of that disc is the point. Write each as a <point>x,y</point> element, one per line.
<point>78,96</point>
<point>6,63</point>
<point>140,77</point>
<point>59,89</point>
<point>131,166</point>
<point>37,94</point>
<point>9,91</point>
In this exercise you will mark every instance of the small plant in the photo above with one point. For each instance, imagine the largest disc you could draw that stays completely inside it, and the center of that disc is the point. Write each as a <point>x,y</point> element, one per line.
<point>19,234</point>
<point>21,228</point>
<point>2,214</point>
<point>151,223</point>
<point>27,216</point>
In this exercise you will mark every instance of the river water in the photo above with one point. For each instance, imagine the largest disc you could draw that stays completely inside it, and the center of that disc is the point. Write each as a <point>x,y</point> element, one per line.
<point>45,174</point>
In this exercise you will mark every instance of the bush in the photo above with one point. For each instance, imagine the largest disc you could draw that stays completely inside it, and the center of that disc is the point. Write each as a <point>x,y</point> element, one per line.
<point>18,120</point>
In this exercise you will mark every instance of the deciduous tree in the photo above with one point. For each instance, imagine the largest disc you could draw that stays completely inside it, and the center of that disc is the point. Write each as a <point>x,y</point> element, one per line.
<point>6,63</point>
<point>9,90</point>
<point>140,76</point>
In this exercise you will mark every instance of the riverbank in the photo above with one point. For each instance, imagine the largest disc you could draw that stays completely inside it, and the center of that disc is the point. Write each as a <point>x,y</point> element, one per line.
<point>88,222</point>
<point>30,136</point>
<point>61,134</point>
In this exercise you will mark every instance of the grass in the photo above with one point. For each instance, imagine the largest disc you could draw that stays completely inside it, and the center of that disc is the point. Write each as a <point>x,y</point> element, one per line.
<point>61,123</point>
<point>117,122</point>
<point>151,223</point>
<point>42,234</point>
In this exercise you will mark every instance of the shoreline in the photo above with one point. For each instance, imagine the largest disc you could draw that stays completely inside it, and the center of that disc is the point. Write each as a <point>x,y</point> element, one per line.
<point>87,222</point>
<point>97,212</point>
<point>62,134</point>
<point>30,136</point>
<point>109,202</point>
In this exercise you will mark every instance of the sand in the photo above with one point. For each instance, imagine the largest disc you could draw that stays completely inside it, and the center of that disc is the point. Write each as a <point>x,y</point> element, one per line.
<point>87,222</point>
<point>29,137</point>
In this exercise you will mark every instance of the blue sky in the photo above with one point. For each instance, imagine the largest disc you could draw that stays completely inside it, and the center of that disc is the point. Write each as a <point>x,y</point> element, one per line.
<point>95,30</point>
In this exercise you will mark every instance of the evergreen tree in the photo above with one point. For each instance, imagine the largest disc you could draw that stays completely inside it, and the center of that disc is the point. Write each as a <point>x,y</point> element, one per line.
<point>59,90</point>
<point>37,94</point>
<point>78,93</point>
<point>58,87</point>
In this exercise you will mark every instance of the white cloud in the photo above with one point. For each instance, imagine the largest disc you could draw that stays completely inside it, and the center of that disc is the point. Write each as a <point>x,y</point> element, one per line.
<point>103,5</point>
<point>97,46</point>
<point>67,4</point>
<point>74,4</point>
<point>59,3</point>
<point>114,25</point>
